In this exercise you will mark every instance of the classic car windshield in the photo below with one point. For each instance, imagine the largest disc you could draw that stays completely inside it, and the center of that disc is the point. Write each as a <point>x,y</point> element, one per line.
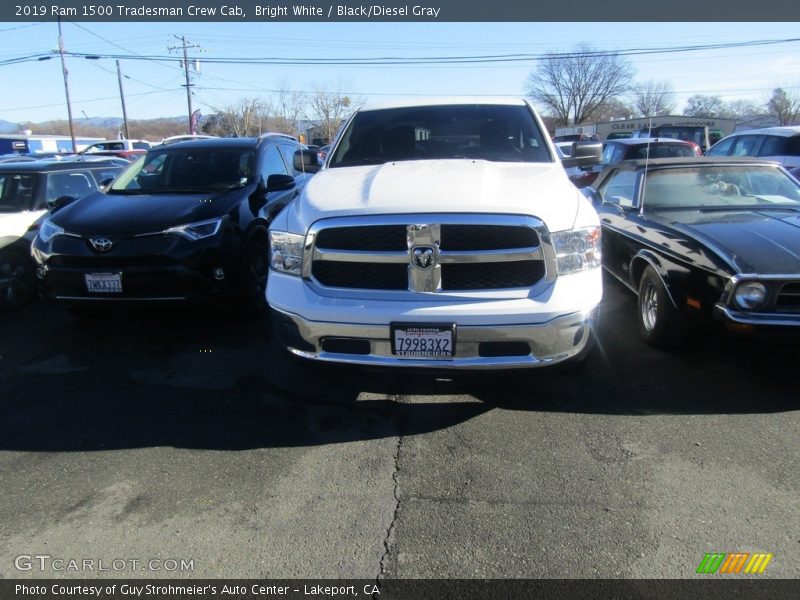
<point>187,170</point>
<point>710,186</point>
<point>489,132</point>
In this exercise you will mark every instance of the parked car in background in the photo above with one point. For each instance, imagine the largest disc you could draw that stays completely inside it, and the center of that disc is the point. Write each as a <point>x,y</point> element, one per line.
<point>615,151</point>
<point>128,149</point>
<point>696,134</point>
<point>580,176</point>
<point>27,190</point>
<point>186,222</point>
<point>700,239</point>
<point>189,137</point>
<point>323,152</point>
<point>781,144</point>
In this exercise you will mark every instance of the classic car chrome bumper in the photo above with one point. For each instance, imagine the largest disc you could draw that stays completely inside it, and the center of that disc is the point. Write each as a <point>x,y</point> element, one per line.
<point>552,342</point>
<point>759,319</point>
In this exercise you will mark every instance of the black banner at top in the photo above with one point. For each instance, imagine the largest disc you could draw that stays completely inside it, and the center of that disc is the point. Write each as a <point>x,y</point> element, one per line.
<point>267,11</point>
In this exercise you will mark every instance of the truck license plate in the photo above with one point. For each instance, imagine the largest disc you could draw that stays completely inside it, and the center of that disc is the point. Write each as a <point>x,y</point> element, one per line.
<point>105,283</point>
<point>423,340</point>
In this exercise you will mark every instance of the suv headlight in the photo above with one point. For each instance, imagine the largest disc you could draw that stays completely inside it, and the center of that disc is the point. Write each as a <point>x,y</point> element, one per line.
<point>750,295</point>
<point>577,249</point>
<point>196,231</point>
<point>286,252</point>
<point>48,230</point>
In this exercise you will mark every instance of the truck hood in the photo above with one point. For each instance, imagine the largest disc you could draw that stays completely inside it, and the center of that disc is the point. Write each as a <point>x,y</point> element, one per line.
<point>541,190</point>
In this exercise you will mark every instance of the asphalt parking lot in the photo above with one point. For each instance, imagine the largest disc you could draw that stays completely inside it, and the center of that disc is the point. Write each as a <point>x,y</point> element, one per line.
<point>187,434</point>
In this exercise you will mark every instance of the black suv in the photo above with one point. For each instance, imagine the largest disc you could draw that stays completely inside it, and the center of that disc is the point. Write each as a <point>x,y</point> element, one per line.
<point>27,189</point>
<point>188,221</point>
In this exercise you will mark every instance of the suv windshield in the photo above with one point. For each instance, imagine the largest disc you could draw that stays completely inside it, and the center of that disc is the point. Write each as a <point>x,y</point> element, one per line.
<point>488,132</point>
<point>187,170</point>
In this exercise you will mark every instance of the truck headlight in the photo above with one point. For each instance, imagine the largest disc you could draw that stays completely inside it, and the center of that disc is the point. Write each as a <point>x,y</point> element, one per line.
<point>750,295</point>
<point>48,230</point>
<point>577,249</point>
<point>286,252</point>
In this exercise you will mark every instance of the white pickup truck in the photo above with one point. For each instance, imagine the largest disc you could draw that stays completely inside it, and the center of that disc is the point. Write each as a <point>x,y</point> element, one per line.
<point>440,234</point>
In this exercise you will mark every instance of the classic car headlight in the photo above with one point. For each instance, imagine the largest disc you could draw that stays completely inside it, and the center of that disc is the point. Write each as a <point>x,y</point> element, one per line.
<point>750,295</point>
<point>196,231</point>
<point>48,230</point>
<point>286,252</point>
<point>577,249</point>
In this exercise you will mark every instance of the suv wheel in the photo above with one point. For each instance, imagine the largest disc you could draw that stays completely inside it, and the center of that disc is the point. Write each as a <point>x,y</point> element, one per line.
<point>253,277</point>
<point>17,282</point>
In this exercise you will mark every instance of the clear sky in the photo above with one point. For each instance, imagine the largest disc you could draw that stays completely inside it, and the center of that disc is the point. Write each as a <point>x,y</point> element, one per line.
<point>34,91</point>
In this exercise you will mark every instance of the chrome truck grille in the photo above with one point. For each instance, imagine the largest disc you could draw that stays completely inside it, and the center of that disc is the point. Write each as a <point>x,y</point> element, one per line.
<point>428,253</point>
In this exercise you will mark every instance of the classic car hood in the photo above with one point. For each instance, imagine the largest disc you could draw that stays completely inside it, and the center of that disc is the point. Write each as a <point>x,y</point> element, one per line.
<point>112,214</point>
<point>752,241</point>
<point>440,186</point>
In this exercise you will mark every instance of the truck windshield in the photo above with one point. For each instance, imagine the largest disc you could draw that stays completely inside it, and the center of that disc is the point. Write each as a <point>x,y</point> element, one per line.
<point>505,133</point>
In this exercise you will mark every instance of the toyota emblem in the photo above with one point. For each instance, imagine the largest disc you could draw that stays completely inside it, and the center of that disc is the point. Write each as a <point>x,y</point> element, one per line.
<point>101,244</point>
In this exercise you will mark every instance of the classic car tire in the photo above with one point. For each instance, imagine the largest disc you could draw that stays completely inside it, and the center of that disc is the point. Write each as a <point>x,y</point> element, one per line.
<point>660,323</point>
<point>253,277</point>
<point>17,281</point>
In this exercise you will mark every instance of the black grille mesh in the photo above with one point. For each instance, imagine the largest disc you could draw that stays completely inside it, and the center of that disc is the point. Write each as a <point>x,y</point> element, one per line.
<point>487,237</point>
<point>367,276</point>
<point>789,297</point>
<point>485,276</point>
<point>378,238</point>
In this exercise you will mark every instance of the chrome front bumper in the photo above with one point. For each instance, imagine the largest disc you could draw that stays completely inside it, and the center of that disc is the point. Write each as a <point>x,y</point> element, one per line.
<point>553,342</point>
<point>724,313</point>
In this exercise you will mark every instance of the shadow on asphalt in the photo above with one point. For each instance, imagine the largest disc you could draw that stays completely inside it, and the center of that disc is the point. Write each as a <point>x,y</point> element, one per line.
<point>210,379</point>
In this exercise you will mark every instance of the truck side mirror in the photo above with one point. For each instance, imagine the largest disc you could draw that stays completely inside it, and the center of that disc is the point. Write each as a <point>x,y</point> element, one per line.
<point>306,161</point>
<point>584,154</point>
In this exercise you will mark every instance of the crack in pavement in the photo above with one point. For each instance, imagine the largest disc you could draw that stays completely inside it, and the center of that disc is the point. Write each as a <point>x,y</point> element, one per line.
<point>390,531</point>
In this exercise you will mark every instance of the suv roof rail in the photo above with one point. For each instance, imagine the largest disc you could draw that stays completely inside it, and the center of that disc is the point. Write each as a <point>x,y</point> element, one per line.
<point>267,134</point>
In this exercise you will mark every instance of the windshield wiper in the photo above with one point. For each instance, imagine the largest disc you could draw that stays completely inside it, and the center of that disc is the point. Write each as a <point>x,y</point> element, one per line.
<point>124,192</point>
<point>756,207</point>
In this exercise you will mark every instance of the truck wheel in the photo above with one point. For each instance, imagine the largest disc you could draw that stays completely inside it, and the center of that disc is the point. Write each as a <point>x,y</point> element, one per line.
<point>17,281</point>
<point>253,278</point>
<point>660,323</point>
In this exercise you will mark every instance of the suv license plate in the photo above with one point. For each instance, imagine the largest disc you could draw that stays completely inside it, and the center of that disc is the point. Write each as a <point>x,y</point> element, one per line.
<point>104,283</point>
<point>423,340</point>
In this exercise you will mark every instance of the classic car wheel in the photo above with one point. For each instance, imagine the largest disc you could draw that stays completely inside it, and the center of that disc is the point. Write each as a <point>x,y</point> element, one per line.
<point>17,282</point>
<point>660,323</point>
<point>254,278</point>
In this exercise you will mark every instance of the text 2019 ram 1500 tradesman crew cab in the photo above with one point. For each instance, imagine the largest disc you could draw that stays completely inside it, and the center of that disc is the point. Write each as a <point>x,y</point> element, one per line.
<point>440,234</point>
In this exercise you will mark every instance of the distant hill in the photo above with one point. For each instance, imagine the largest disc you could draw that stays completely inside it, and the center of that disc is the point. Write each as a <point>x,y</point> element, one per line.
<point>8,127</point>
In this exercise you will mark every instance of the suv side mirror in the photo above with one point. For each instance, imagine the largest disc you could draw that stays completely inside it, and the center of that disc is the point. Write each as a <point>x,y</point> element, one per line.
<point>306,161</point>
<point>60,202</point>
<point>584,154</point>
<point>278,183</point>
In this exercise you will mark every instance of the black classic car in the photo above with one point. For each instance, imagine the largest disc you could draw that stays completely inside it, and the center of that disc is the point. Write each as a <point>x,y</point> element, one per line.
<point>703,238</point>
<point>188,221</point>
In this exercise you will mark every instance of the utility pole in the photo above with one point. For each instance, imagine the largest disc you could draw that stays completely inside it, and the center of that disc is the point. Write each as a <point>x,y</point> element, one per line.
<point>66,85</point>
<point>122,99</point>
<point>184,47</point>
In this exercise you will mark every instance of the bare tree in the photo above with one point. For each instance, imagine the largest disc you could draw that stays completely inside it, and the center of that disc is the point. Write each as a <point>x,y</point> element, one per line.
<point>574,85</point>
<point>286,109</point>
<point>742,109</point>
<point>243,119</point>
<point>654,98</point>
<point>328,105</point>
<point>784,107</point>
<point>701,105</point>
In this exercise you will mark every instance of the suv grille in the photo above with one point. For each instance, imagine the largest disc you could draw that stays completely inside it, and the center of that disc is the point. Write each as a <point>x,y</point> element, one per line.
<point>453,255</point>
